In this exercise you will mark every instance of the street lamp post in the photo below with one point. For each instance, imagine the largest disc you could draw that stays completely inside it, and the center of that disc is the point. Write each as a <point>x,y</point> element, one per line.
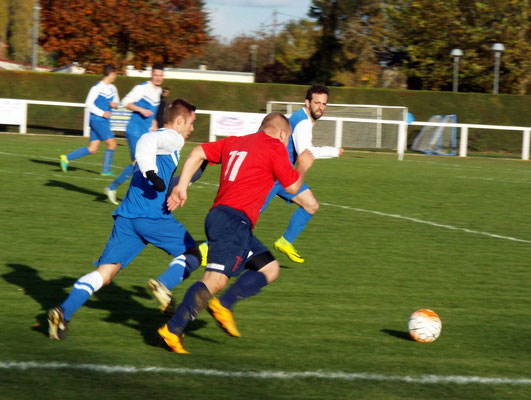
<point>497,48</point>
<point>456,53</point>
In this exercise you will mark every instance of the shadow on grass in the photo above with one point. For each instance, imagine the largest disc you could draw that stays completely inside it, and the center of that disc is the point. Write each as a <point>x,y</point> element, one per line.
<point>74,188</point>
<point>121,304</point>
<point>58,168</point>
<point>397,334</point>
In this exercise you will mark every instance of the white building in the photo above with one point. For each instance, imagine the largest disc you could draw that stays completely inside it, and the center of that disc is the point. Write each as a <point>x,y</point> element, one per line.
<point>201,74</point>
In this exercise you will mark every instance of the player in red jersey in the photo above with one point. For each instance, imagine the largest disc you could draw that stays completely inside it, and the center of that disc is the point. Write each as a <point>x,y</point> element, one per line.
<point>250,165</point>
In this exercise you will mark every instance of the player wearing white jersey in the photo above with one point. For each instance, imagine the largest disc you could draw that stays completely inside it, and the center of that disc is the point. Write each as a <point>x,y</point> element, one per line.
<point>101,98</point>
<point>142,218</point>
<point>302,123</point>
<point>143,100</point>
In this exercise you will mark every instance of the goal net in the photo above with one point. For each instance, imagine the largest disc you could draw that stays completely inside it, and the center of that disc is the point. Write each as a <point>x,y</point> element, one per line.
<point>440,140</point>
<point>355,134</point>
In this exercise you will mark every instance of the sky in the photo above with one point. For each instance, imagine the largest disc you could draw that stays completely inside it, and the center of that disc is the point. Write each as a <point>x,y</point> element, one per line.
<point>229,18</point>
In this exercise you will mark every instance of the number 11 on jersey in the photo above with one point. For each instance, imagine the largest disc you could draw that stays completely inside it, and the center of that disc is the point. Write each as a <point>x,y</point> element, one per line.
<point>234,166</point>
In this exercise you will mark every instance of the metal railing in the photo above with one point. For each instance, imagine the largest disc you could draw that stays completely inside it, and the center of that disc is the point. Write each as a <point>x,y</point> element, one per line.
<point>338,132</point>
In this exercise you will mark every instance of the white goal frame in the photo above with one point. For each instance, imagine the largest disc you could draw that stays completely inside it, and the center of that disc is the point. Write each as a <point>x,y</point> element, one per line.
<point>379,113</point>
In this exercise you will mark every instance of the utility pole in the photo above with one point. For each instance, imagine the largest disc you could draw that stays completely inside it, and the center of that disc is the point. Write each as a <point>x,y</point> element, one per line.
<point>274,34</point>
<point>36,9</point>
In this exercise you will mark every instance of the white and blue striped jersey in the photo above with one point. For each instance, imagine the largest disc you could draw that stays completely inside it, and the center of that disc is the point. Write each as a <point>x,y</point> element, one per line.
<point>302,136</point>
<point>145,95</point>
<point>155,151</point>
<point>98,98</point>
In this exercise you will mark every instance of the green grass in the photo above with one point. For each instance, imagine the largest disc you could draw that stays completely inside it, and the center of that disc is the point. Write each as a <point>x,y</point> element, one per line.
<point>344,310</point>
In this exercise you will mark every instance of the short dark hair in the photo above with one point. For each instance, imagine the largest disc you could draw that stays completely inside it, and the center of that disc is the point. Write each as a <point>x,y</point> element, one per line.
<point>158,66</point>
<point>176,108</point>
<point>319,89</point>
<point>108,69</point>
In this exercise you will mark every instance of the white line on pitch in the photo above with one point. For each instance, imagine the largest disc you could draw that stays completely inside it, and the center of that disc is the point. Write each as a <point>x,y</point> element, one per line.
<point>509,180</point>
<point>493,235</point>
<point>346,376</point>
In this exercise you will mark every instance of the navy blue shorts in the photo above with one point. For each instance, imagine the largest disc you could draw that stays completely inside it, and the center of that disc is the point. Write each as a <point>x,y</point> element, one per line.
<point>279,191</point>
<point>230,241</point>
<point>130,235</point>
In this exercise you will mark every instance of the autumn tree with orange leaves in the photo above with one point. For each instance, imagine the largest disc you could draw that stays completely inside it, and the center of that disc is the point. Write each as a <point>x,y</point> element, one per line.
<point>123,32</point>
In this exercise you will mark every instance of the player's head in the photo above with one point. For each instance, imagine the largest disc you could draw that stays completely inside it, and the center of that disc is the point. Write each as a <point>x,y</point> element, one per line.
<point>316,100</point>
<point>157,74</point>
<point>180,116</point>
<point>276,125</point>
<point>109,73</point>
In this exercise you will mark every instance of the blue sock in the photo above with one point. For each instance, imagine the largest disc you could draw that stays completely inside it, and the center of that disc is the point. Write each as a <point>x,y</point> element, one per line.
<point>126,173</point>
<point>81,152</point>
<point>107,161</point>
<point>83,289</point>
<point>179,269</point>
<point>298,222</point>
<point>194,300</point>
<point>247,285</point>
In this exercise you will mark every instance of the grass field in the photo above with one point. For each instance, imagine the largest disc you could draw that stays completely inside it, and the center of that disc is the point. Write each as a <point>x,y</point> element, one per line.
<point>449,234</point>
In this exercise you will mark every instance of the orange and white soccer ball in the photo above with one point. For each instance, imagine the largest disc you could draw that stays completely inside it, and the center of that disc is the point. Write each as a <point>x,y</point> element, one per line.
<point>424,326</point>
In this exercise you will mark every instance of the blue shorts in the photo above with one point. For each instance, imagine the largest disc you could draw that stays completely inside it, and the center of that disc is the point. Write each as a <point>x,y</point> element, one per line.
<point>100,129</point>
<point>279,191</point>
<point>130,235</point>
<point>230,241</point>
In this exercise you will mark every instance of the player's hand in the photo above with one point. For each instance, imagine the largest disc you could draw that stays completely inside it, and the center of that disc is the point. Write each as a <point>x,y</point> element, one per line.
<point>341,151</point>
<point>305,159</point>
<point>106,114</point>
<point>113,104</point>
<point>158,183</point>
<point>145,113</point>
<point>177,198</point>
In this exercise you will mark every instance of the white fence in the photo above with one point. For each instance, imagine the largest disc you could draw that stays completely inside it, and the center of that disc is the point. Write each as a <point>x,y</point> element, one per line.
<point>14,112</point>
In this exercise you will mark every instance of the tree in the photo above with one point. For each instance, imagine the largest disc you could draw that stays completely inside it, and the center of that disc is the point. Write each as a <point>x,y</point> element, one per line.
<point>331,16</point>
<point>295,44</point>
<point>19,30</point>
<point>123,31</point>
<point>428,30</point>
<point>4,20</point>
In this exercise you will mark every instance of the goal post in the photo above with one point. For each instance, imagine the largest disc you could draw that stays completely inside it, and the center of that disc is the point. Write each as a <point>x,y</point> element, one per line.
<point>352,134</point>
<point>437,140</point>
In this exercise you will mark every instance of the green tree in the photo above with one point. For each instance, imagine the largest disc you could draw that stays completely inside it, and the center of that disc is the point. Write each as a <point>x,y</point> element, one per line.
<point>429,29</point>
<point>296,43</point>
<point>331,16</point>
<point>20,30</point>
<point>4,20</point>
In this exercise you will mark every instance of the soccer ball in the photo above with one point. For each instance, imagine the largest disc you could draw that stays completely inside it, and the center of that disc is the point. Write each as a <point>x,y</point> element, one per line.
<point>424,326</point>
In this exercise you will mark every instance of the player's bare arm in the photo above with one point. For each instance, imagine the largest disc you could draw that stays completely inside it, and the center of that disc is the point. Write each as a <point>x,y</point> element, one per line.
<point>178,195</point>
<point>304,162</point>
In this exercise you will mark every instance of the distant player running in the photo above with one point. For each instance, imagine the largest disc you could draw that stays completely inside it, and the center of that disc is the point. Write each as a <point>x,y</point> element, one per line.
<point>143,100</point>
<point>101,98</point>
<point>250,165</point>
<point>302,123</point>
<point>142,218</point>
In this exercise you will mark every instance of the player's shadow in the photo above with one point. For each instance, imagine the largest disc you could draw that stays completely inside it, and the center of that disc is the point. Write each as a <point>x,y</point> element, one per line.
<point>48,293</point>
<point>122,304</point>
<point>58,168</point>
<point>68,186</point>
<point>398,334</point>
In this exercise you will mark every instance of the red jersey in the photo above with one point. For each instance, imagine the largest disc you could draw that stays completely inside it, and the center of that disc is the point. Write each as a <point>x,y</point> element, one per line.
<point>250,165</point>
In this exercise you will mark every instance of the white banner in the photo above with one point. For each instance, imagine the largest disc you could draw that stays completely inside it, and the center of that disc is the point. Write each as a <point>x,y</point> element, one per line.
<point>12,112</point>
<point>225,123</point>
